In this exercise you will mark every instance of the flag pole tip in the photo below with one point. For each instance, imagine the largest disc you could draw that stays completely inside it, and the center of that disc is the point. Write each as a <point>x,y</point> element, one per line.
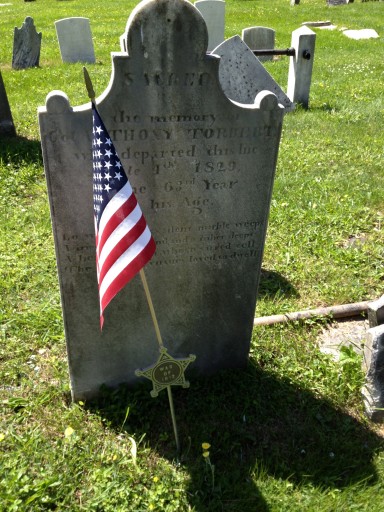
<point>88,85</point>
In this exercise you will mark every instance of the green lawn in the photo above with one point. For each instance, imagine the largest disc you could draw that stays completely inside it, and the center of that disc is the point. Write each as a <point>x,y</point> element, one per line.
<point>287,434</point>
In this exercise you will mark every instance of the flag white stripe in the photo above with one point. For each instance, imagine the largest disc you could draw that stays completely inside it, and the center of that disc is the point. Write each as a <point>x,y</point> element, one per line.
<point>114,204</point>
<point>122,229</point>
<point>125,259</point>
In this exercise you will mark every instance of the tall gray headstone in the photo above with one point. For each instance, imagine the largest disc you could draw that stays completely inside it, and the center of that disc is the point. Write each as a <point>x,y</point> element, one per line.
<point>75,40</point>
<point>259,38</point>
<point>202,167</point>
<point>213,12</point>
<point>26,45</point>
<point>242,76</point>
<point>7,127</point>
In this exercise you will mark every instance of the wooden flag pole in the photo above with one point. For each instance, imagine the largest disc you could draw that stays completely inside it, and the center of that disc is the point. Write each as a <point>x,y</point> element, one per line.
<point>92,96</point>
<point>161,345</point>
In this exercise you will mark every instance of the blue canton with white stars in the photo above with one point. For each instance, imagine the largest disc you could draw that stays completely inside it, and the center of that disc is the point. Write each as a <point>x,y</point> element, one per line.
<point>108,173</point>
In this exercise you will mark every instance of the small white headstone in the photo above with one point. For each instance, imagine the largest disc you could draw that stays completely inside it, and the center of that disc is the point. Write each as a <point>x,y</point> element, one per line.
<point>259,38</point>
<point>213,12</point>
<point>75,40</point>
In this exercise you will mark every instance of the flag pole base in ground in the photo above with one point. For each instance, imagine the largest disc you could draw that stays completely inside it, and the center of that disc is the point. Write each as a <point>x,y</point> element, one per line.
<point>167,371</point>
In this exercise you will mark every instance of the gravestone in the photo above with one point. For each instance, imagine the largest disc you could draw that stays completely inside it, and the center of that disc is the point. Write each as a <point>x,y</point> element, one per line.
<point>75,40</point>
<point>242,76</point>
<point>26,45</point>
<point>7,127</point>
<point>364,33</point>
<point>339,2</point>
<point>202,167</point>
<point>373,363</point>
<point>213,12</point>
<point>259,38</point>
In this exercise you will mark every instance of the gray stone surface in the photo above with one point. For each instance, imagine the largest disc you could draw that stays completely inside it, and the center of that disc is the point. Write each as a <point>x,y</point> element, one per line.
<point>202,167</point>
<point>7,127</point>
<point>364,33</point>
<point>376,312</point>
<point>301,65</point>
<point>26,45</point>
<point>242,76</point>
<point>75,40</point>
<point>213,12</point>
<point>259,38</point>
<point>373,391</point>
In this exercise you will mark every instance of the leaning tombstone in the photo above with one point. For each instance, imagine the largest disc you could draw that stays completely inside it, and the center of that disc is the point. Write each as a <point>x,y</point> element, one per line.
<point>213,12</point>
<point>192,156</point>
<point>7,127</point>
<point>301,65</point>
<point>242,76</point>
<point>26,45</point>
<point>259,38</point>
<point>75,40</point>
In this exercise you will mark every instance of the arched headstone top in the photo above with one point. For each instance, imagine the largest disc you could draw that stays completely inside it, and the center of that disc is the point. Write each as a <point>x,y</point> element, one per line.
<point>166,29</point>
<point>57,102</point>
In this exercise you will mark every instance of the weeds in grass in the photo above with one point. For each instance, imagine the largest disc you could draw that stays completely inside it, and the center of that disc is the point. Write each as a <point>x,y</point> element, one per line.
<point>289,432</point>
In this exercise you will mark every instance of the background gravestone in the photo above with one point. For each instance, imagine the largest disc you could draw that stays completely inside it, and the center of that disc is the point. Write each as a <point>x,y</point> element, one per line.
<point>6,122</point>
<point>26,45</point>
<point>242,76</point>
<point>260,38</point>
<point>75,40</point>
<point>213,12</point>
<point>192,156</point>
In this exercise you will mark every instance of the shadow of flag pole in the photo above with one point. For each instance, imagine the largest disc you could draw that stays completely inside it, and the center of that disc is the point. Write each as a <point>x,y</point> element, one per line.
<point>166,371</point>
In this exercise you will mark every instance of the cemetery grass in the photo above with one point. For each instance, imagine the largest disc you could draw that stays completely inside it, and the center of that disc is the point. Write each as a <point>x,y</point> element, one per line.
<point>289,432</point>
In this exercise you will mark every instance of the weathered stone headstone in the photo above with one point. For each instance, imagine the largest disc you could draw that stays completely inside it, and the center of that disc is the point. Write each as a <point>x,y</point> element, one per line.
<point>373,390</point>
<point>26,45</point>
<point>6,122</point>
<point>213,12</point>
<point>259,38</point>
<point>75,40</point>
<point>376,312</point>
<point>295,2</point>
<point>202,168</point>
<point>242,76</point>
<point>301,65</point>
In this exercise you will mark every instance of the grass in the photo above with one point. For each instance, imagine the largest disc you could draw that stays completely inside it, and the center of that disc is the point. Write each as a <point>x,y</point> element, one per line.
<point>287,434</point>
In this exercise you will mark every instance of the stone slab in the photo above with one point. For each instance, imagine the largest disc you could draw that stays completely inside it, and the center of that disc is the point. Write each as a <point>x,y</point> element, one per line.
<point>373,391</point>
<point>376,312</point>
<point>365,33</point>
<point>259,38</point>
<point>193,157</point>
<point>213,12</point>
<point>26,45</point>
<point>242,76</point>
<point>7,127</point>
<point>75,40</point>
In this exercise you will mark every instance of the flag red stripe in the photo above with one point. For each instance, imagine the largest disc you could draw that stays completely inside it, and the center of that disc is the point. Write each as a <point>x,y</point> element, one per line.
<point>121,247</point>
<point>115,220</point>
<point>128,273</point>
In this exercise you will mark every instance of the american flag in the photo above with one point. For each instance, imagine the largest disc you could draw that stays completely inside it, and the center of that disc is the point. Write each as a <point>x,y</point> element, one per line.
<point>124,244</point>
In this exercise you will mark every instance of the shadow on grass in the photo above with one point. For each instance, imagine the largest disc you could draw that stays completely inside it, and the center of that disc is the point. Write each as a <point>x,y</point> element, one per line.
<point>20,150</point>
<point>273,283</point>
<point>258,426</point>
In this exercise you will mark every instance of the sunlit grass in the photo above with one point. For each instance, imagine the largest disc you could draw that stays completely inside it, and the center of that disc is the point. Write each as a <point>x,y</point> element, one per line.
<point>288,433</point>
